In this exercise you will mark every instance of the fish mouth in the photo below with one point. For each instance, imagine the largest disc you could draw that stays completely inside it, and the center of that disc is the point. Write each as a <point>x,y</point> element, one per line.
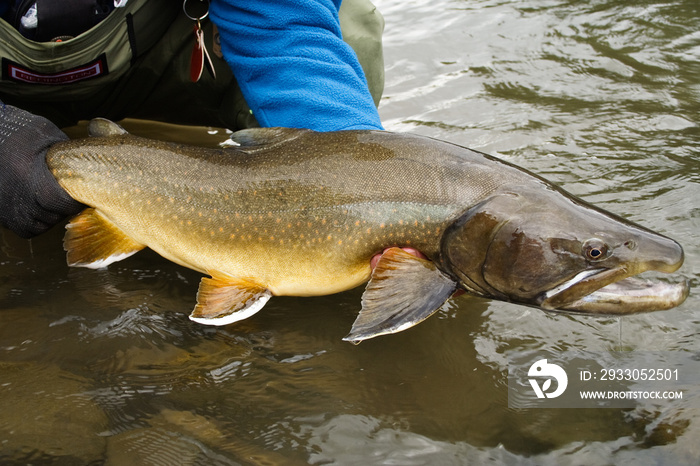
<point>613,292</point>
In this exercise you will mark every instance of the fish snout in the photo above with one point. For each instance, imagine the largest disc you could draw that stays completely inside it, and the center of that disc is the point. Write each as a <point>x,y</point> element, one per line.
<point>665,256</point>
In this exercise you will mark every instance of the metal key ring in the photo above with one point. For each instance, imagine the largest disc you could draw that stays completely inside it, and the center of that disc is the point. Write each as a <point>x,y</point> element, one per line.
<point>206,13</point>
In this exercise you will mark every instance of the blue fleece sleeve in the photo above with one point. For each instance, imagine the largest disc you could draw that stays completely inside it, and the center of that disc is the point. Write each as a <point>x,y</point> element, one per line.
<point>292,65</point>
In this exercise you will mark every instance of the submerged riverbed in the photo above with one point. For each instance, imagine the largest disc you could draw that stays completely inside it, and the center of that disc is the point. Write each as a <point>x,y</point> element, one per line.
<point>603,97</point>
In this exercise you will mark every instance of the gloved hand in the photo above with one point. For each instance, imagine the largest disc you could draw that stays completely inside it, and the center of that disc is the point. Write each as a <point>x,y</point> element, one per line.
<point>31,200</point>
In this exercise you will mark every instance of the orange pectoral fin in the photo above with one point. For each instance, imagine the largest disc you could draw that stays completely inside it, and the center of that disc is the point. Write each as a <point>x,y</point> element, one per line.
<point>222,300</point>
<point>403,291</point>
<point>93,241</point>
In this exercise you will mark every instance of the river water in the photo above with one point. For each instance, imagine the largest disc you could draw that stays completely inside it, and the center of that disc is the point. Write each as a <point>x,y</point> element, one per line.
<point>601,97</point>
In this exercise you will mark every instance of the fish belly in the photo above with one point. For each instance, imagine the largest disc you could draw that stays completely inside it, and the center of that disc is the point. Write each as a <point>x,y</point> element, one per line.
<point>290,253</point>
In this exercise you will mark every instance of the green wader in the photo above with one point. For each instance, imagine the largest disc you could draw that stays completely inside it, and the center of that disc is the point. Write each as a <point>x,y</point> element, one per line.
<point>136,63</point>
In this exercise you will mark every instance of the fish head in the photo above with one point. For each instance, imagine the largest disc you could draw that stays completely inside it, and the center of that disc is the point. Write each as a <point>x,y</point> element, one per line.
<point>545,248</point>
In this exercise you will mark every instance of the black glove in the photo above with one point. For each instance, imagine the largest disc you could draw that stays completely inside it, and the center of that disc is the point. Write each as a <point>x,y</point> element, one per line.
<point>31,200</point>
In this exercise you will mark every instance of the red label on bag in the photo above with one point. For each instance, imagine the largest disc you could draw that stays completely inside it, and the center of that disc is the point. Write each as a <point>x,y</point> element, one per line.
<point>15,72</point>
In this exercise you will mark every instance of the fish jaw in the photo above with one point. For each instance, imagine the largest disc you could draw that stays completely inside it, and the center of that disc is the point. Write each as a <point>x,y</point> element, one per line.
<point>613,292</point>
<point>632,295</point>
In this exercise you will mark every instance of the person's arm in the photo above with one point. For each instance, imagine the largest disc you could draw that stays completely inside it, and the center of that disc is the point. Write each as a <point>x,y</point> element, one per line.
<point>292,65</point>
<point>31,200</point>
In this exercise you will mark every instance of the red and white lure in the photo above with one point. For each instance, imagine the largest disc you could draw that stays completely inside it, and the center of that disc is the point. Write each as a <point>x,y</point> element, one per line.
<point>200,55</point>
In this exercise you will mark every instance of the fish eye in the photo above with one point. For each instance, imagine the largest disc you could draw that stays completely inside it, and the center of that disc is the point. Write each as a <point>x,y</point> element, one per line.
<point>595,249</point>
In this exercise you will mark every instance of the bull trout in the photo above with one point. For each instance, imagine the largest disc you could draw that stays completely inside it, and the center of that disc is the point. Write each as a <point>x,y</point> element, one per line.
<point>298,212</point>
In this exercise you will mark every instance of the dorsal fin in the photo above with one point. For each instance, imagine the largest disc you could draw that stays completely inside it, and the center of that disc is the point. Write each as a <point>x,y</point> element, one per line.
<point>254,139</point>
<point>102,127</point>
